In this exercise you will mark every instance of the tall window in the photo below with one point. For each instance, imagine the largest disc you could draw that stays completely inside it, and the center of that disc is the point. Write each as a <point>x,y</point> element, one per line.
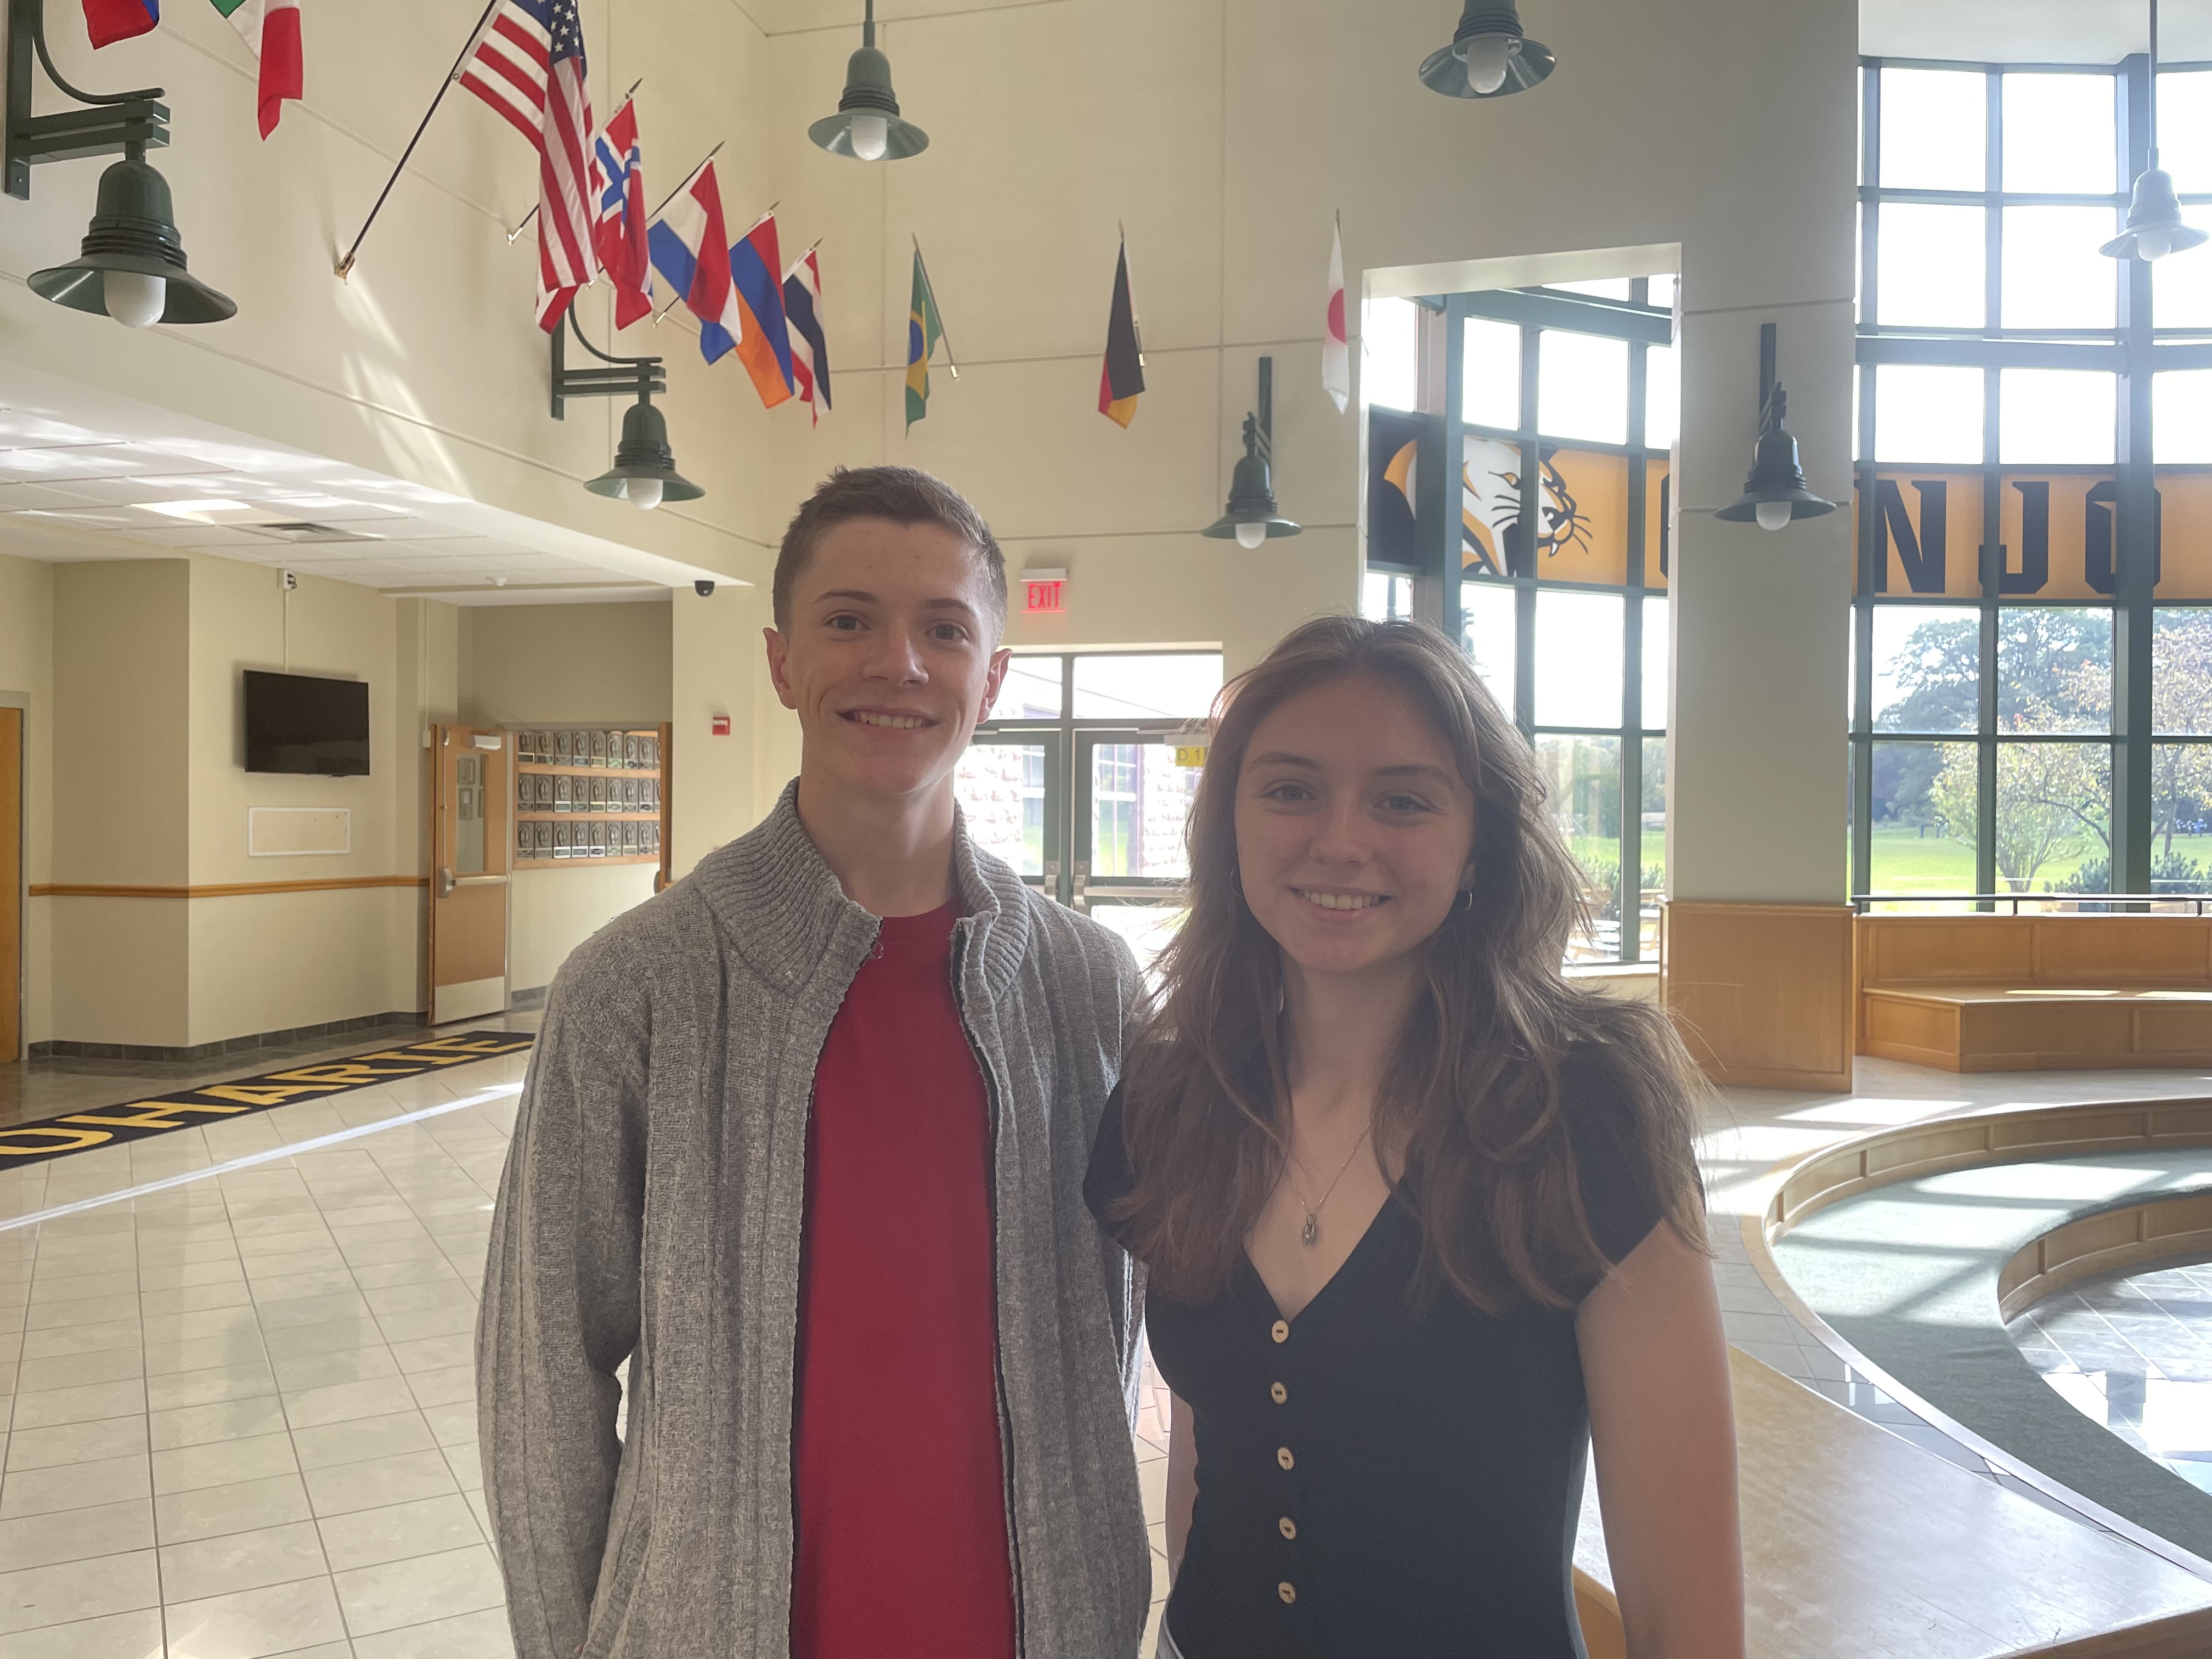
<point>2028,665</point>
<point>1561,404</point>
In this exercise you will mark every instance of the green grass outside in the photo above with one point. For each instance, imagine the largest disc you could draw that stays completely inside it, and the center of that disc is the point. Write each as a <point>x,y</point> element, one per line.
<point>1907,861</point>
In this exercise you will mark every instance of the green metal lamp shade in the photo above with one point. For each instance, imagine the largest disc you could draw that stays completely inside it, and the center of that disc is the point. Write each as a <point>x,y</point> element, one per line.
<point>1777,477</point>
<point>868,93</point>
<point>1251,496</point>
<point>644,453</point>
<point>1526,62</point>
<point>133,232</point>
<point>2154,227</point>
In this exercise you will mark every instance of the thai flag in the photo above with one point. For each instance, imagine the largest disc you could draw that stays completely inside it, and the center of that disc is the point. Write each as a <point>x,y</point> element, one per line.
<point>691,249</point>
<point>619,231</point>
<point>810,351</point>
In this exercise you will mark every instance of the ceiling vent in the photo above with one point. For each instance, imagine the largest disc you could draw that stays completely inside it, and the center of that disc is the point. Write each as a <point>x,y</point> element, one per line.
<point>303,531</point>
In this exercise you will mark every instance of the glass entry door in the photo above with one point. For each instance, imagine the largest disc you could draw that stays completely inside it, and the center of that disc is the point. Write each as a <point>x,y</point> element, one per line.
<point>1132,801</point>
<point>1013,790</point>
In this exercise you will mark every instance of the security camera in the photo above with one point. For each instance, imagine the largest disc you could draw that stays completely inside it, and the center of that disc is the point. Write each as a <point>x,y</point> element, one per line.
<point>704,590</point>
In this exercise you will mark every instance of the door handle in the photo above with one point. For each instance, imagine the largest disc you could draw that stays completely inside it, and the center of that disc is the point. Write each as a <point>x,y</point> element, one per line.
<point>447,881</point>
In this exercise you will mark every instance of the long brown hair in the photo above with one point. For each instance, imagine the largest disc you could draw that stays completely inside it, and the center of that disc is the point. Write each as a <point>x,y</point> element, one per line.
<point>1470,1093</point>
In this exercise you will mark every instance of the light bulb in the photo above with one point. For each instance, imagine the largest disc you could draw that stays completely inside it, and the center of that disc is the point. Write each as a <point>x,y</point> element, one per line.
<point>872,136</point>
<point>1487,57</point>
<point>643,493</point>
<point>2154,244</point>
<point>1251,535</point>
<point>1772,515</point>
<point>134,300</point>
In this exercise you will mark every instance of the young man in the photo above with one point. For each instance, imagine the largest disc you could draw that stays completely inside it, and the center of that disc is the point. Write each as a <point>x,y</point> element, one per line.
<point>804,1142</point>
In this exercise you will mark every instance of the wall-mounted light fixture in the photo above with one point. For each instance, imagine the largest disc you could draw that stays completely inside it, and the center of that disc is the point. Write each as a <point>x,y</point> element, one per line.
<point>132,265</point>
<point>867,124</point>
<point>1775,492</point>
<point>1489,57</point>
<point>2154,227</point>
<point>644,473</point>
<point>1251,518</point>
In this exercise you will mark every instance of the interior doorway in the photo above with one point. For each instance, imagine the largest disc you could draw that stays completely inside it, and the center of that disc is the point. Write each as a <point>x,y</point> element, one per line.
<point>469,868</point>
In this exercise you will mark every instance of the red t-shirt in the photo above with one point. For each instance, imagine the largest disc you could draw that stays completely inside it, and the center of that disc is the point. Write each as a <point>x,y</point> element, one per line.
<point>900,1482</point>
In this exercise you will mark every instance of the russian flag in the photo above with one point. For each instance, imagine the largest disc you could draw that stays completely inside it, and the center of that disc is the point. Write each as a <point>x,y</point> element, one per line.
<point>691,248</point>
<point>757,269</point>
<point>109,21</point>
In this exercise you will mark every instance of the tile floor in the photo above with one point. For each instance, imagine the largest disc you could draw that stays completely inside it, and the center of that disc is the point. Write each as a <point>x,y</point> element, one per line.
<point>2134,1352</point>
<point>239,1405</point>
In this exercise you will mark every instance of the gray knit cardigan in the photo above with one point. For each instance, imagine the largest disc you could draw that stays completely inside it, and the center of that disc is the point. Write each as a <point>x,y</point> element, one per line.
<point>651,1210</point>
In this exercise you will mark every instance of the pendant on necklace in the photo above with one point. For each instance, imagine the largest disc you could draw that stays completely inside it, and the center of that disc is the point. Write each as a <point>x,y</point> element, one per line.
<point>1309,1234</point>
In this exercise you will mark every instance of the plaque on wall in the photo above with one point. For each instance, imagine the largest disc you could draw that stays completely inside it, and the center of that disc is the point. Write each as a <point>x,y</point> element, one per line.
<point>598,795</point>
<point>599,740</point>
<point>545,782</point>
<point>652,838</point>
<point>630,756</point>
<point>560,748</point>
<point>544,839</point>
<point>629,841</point>
<point>559,841</point>
<point>524,841</point>
<point>652,752</point>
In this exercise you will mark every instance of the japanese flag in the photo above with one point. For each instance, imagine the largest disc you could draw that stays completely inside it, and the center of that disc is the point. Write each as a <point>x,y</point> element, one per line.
<point>1335,352</point>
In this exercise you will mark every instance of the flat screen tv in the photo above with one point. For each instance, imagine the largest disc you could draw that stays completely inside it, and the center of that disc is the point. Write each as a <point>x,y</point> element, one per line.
<point>300,723</point>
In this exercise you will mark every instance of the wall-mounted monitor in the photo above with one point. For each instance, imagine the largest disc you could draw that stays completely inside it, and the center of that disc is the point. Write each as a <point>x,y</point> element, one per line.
<point>301,723</point>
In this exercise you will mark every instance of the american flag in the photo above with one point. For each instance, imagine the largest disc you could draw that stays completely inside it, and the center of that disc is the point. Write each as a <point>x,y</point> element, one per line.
<point>529,65</point>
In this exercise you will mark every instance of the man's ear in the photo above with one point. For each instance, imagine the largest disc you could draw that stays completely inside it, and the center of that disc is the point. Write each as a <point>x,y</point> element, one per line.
<point>1000,660</point>
<point>779,657</point>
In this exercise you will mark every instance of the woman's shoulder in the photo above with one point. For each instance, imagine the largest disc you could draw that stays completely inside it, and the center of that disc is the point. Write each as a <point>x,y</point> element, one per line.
<point>1111,1177</point>
<point>1620,1186</point>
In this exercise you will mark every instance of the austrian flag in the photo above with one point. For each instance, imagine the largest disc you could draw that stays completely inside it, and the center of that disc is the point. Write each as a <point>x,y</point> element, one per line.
<point>271,32</point>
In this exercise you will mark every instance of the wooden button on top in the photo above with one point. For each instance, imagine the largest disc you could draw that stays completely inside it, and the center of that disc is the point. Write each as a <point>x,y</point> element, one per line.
<point>1278,1393</point>
<point>1281,1332</point>
<point>1288,1591</point>
<point>1287,1527</point>
<point>1283,1456</point>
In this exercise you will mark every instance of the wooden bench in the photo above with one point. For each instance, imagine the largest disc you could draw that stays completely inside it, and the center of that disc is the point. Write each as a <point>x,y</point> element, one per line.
<point>2036,993</point>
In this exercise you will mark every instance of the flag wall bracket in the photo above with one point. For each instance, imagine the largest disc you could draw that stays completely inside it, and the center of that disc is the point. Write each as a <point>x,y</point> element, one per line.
<point>641,378</point>
<point>130,123</point>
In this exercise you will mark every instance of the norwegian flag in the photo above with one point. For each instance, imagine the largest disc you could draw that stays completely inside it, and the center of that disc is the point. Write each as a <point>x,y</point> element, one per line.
<point>619,234</point>
<point>528,64</point>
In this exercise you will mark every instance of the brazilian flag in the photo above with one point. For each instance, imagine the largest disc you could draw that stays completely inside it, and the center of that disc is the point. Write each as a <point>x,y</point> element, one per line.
<point>922,332</point>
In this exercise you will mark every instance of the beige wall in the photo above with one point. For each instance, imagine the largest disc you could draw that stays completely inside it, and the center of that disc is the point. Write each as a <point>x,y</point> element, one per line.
<point>575,663</point>
<point>121,966</point>
<point>719,786</point>
<point>556,910</point>
<point>27,668</point>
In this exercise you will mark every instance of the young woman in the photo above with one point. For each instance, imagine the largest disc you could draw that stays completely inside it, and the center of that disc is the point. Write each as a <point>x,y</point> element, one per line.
<point>1422,1219</point>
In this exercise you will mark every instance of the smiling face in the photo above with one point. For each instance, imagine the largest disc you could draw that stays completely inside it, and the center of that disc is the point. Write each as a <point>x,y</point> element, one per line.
<point>890,657</point>
<point>1354,831</point>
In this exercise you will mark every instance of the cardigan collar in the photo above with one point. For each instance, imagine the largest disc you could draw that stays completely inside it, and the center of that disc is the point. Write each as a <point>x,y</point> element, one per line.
<point>782,910</point>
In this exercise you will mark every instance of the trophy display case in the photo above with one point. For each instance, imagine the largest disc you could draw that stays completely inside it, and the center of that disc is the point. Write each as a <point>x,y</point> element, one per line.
<point>597,794</point>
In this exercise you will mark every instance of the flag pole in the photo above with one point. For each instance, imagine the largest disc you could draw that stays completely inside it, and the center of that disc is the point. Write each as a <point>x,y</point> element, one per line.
<point>688,177</point>
<point>930,288</point>
<point>1136,323</point>
<point>344,267</point>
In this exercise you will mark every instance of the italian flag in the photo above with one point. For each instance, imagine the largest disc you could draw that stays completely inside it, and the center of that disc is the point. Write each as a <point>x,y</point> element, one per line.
<point>271,29</point>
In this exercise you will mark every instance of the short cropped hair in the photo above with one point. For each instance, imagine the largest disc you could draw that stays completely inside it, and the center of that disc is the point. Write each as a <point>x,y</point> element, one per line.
<point>902,495</point>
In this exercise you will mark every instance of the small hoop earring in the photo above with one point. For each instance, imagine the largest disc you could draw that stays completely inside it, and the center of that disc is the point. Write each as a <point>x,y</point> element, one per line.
<point>1466,901</point>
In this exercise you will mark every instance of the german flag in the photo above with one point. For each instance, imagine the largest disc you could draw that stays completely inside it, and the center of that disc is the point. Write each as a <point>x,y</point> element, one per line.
<point>1121,378</point>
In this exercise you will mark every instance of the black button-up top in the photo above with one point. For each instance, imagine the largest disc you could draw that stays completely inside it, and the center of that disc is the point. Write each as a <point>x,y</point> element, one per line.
<point>1377,1482</point>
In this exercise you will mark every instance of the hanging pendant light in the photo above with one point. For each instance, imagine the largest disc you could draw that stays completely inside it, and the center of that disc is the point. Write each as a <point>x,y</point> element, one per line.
<point>1489,57</point>
<point>1252,517</point>
<point>644,473</point>
<point>1776,493</point>
<point>132,266</point>
<point>2155,228</point>
<point>867,124</point>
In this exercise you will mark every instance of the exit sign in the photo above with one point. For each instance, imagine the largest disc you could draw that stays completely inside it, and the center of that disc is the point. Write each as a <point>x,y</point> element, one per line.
<point>1044,592</point>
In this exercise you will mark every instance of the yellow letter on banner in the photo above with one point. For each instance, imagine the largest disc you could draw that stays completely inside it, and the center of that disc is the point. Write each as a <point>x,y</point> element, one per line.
<point>75,1139</point>
<point>148,1114</point>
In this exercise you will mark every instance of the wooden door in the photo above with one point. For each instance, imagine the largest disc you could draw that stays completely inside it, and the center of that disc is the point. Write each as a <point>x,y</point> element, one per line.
<point>11,884</point>
<point>469,830</point>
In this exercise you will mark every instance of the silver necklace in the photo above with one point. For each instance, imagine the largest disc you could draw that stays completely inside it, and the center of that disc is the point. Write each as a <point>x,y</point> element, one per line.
<point>1309,1234</point>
